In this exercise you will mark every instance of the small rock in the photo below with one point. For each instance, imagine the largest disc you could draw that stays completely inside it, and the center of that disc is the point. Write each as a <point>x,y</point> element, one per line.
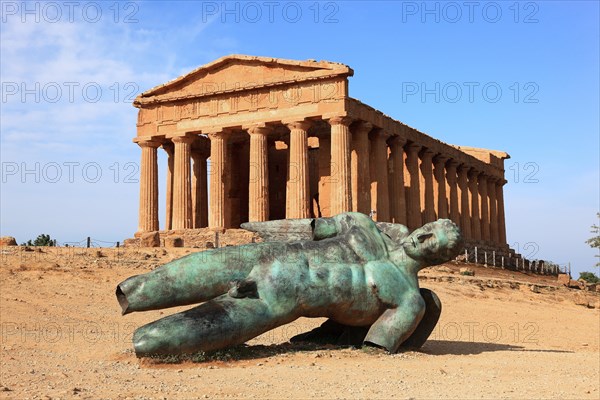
<point>534,288</point>
<point>580,300</point>
<point>467,271</point>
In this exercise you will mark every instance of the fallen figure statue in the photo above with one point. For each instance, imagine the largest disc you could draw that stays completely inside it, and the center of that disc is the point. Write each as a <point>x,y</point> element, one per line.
<point>360,274</point>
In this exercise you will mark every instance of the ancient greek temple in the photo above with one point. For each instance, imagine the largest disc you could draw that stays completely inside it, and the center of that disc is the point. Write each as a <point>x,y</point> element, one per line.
<point>256,138</point>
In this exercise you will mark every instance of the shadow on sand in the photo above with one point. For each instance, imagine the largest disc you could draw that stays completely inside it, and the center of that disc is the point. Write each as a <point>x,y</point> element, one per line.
<point>450,347</point>
<point>244,352</point>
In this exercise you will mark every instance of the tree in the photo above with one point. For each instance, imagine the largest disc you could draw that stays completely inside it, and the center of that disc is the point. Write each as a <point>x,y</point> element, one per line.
<point>594,241</point>
<point>41,240</point>
<point>589,277</point>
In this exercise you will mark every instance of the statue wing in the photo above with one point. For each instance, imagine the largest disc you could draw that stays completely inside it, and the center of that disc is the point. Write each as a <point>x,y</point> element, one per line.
<point>282,230</point>
<point>293,230</point>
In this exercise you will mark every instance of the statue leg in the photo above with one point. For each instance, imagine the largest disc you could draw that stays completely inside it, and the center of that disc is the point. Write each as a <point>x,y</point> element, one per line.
<point>223,322</point>
<point>192,279</point>
<point>428,322</point>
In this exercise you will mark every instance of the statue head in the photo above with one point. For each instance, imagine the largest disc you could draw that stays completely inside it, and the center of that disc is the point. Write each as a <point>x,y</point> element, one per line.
<point>434,243</point>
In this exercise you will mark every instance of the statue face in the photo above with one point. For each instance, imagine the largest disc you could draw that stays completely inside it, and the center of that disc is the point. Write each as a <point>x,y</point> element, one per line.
<point>434,243</point>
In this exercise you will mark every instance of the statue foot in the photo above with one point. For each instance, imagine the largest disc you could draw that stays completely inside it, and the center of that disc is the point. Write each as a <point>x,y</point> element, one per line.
<point>433,309</point>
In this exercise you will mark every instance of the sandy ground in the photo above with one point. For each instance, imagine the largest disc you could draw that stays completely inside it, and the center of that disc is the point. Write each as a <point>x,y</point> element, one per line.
<point>62,336</point>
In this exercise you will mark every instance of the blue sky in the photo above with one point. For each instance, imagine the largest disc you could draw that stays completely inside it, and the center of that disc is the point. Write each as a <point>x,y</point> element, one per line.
<point>522,77</point>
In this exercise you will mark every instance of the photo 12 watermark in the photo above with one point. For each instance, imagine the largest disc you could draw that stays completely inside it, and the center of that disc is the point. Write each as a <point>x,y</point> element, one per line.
<point>470,92</point>
<point>71,92</point>
<point>53,12</point>
<point>253,12</point>
<point>453,12</point>
<point>69,172</point>
<point>489,332</point>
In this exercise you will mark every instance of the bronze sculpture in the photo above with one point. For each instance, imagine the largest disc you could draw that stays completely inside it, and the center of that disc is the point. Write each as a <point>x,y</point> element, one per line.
<point>359,274</point>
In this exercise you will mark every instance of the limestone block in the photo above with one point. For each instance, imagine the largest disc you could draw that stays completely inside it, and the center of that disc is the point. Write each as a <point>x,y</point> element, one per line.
<point>573,284</point>
<point>132,242</point>
<point>173,241</point>
<point>563,279</point>
<point>150,239</point>
<point>591,287</point>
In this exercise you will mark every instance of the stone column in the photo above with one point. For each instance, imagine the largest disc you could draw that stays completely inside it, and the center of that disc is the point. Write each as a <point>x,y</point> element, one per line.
<point>501,217</point>
<point>218,164</point>
<point>397,194</point>
<point>465,210</point>
<point>380,198</point>
<point>148,216</point>
<point>452,190</point>
<point>199,190</point>
<point>439,187</point>
<point>182,185</point>
<point>483,208</point>
<point>494,237</point>
<point>413,200</point>
<point>258,191</point>
<point>359,165</point>
<point>170,150</point>
<point>474,196</point>
<point>297,195</point>
<point>426,181</point>
<point>341,191</point>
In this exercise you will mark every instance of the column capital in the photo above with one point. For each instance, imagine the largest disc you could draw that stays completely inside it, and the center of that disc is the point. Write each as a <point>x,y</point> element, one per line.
<point>464,168</point>
<point>412,148</point>
<point>168,146</point>
<point>452,163</point>
<point>362,128</point>
<point>397,141</point>
<point>301,124</point>
<point>340,119</point>
<point>439,160</point>
<point>218,134</point>
<point>427,153</point>
<point>260,130</point>
<point>473,173</point>
<point>483,176</point>
<point>380,133</point>
<point>183,139</point>
<point>149,143</point>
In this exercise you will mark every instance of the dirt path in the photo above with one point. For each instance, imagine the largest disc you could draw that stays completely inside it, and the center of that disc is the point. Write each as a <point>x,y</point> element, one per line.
<point>63,337</point>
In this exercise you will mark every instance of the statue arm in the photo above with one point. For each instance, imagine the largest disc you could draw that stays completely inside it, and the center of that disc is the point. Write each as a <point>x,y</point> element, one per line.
<point>396,325</point>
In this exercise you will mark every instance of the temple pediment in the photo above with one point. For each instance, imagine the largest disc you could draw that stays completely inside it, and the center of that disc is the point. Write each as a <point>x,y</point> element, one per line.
<point>235,73</point>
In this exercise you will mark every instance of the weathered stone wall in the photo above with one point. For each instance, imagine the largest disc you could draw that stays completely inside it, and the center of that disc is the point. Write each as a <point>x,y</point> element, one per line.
<point>202,238</point>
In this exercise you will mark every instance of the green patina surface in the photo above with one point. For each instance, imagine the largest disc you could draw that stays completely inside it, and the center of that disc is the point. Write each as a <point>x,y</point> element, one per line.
<point>347,268</point>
